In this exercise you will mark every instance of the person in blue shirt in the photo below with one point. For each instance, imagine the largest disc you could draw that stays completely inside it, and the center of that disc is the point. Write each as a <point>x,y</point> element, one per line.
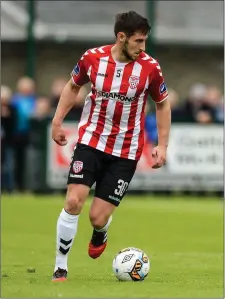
<point>151,125</point>
<point>24,102</point>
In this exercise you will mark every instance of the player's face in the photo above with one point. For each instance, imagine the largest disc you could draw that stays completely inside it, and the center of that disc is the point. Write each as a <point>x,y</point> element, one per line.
<point>134,45</point>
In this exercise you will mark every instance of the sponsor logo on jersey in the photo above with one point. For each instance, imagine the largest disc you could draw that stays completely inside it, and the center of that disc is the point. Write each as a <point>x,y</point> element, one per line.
<point>77,166</point>
<point>101,75</point>
<point>116,96</point>
<point>133,81</point>
<point>76,70</point>
<point>162,88</point>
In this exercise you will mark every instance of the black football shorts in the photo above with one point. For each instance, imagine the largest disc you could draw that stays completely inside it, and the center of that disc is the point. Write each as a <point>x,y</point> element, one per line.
<point>111,174</point>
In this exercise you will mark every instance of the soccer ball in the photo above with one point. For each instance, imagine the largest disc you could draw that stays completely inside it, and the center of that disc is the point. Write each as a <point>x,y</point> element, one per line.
<point>131,264</point>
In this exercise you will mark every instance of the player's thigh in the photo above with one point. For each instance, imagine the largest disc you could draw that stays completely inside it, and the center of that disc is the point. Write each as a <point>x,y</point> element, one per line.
<point>83,166</point>
<point>114,182</point>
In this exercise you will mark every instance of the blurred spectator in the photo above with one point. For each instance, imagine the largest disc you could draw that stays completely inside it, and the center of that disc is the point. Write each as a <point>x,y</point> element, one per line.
<point>204,117</point>
<point>213,103</point>
<point>193,103</point>
<point>39,120</point>
<point>56,90</point>
<point>176,112</point>
<point>24,103</point>
<point>41,114</point>
<point>204,105</point>
<point>220,111</point>
<point>42,108</point>
<point>8,123</point>
<point>151,125</point>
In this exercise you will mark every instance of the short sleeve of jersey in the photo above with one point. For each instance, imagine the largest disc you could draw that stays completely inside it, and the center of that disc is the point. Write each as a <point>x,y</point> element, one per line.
<point>157,87</point>
<point>79,73</point>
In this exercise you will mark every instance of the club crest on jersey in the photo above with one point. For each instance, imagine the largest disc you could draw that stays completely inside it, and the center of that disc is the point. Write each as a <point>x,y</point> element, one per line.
<point>77,166</point>
<point>133,81</point>
<point>76,70</point>
<point>162,88</point>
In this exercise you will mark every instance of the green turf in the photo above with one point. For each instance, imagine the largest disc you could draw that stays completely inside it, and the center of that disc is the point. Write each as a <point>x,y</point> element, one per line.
<point>183,238</point>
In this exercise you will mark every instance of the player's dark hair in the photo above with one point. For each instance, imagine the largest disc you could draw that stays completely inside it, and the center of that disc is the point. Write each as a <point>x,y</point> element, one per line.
<point>131,22</point>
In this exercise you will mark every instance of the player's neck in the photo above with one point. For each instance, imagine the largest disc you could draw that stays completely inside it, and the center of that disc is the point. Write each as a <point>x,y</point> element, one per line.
<point>118,55</point>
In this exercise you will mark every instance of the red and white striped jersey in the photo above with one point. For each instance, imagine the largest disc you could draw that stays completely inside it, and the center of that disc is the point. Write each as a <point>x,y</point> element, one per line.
<point>112,120</point>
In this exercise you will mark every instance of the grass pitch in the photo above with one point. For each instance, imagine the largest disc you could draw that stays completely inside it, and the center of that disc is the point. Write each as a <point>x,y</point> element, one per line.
<point>182,236</point>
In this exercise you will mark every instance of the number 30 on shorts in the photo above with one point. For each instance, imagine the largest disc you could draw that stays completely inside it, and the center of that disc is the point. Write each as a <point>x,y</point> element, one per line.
<point>122,187</point>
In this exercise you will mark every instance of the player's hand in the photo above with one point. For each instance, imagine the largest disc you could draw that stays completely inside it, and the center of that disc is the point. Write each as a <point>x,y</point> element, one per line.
<point>159,155</point>
<point>58,135</point>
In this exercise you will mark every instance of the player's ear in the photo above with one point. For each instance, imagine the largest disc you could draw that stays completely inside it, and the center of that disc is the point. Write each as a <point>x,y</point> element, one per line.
<point>121,36</point>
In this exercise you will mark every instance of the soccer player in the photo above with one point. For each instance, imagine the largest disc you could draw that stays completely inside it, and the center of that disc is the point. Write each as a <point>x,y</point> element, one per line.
<point>111,130</point>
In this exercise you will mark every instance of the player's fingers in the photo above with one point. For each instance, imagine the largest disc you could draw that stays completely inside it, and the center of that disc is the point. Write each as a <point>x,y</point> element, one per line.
<point>162,162</point>
<point>155,166</point>
<point>154,153</point>
<point>60,141</point>
<point>63,139</point>
<point>161,158</point>
<point>159,163</point>
<point>57,141</point>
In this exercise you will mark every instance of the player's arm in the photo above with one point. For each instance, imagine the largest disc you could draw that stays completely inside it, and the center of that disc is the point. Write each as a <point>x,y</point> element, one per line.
<point>159,94</point>
<point>68,99</point>
<point>163,116</point>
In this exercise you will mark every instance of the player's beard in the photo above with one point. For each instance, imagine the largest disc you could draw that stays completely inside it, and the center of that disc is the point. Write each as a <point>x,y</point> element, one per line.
<point>125,51</point>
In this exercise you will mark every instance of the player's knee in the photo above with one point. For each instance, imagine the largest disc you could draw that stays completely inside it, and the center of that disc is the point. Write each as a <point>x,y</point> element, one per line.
<point>73,203</point>
<point>97,220</point>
